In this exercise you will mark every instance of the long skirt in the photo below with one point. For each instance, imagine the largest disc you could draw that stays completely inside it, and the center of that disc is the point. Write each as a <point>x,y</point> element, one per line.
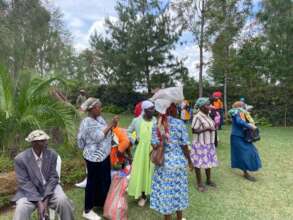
<point>203,156</point>
<point>244,155</point>
<point>169,190</point>
<point>98,183</point>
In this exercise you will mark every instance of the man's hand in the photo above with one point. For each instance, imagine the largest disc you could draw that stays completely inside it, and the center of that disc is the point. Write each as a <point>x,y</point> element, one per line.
<point>43,210</point>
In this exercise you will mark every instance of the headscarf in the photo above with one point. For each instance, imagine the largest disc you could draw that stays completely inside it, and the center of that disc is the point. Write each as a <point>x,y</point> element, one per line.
<point>37,135</point>
<point>146,105</point>
<point>237,109</point>
<point>90,103</point>
<point>202,101</point>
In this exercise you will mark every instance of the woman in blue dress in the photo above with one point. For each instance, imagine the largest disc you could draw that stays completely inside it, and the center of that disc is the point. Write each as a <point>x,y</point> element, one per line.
<point>170,181</point>
<point>244,155</point>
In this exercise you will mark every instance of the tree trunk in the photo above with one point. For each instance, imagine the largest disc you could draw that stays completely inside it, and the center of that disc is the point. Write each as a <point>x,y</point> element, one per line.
<point>202,22</point>
<point>225,94</point>
<point>285,115</point>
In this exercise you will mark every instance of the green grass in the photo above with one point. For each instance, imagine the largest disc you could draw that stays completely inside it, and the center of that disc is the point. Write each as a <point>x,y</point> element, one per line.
<point>235,198</point>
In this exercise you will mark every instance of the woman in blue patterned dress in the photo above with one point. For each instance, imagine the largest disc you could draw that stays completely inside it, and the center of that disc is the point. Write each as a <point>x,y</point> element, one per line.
<point>170,181</point>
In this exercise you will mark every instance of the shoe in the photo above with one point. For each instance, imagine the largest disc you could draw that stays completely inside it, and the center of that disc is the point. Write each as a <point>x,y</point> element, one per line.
<point>211,184</point>
<point>91,215</point>
<point>250,178</point>
<point>142,202</point>
<point>82,184</point>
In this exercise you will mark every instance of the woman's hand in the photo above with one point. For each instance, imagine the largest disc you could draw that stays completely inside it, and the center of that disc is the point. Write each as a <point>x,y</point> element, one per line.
<point>114,121</point>
<point>253,127</point>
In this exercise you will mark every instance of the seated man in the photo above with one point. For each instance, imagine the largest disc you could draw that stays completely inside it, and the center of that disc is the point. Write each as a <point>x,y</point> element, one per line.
<point>37,180</point>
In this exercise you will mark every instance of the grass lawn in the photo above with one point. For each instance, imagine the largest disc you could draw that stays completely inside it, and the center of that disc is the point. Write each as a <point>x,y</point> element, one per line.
<point>235,198</point>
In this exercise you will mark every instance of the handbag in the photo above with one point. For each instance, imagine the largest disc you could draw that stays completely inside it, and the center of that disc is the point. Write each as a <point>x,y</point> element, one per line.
<point>251,135</point>
<point>157,155</point>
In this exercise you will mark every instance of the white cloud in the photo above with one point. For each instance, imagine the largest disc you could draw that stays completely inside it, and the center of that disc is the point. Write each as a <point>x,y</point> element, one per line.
<point>81,17</point>
<point>99,26</point>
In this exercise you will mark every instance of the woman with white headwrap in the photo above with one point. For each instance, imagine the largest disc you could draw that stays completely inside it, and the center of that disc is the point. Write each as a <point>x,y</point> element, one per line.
<point>142,168</point>
<point>170,180</point>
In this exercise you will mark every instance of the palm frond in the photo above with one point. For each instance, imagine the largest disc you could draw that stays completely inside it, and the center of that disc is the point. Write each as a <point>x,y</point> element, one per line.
<point>6,93</point>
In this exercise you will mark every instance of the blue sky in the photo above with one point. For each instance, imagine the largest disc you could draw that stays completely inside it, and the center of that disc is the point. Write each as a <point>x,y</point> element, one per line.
<point>83,17</point>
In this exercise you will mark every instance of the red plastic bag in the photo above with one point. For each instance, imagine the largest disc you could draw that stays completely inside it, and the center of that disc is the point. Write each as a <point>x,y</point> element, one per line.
<point>116,207</point>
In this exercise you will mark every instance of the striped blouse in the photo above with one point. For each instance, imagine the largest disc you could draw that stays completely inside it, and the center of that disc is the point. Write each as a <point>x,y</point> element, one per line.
<point>96,146</point>
<point>202,121</point>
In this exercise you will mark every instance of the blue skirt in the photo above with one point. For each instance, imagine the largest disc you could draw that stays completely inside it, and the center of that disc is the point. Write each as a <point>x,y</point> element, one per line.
<point>244,155</point>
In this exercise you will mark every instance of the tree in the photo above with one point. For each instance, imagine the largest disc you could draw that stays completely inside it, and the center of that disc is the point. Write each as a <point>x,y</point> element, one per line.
<point>192,15</point>
<point>139,45</point>
<point>276,18</point>
<point>30,104</point>
<point>33,38</point>
<point>225,19</point>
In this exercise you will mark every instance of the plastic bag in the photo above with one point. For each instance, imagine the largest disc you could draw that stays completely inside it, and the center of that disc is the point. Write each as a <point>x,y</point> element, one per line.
<point>116,207</point>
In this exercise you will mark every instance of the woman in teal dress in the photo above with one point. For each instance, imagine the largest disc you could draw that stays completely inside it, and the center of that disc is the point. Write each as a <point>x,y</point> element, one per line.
<point>244,155</point>
<point>142,169</point>
<point>170,181</point>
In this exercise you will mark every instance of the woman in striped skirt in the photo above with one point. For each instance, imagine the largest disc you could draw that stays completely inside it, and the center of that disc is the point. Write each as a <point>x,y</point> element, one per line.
<point>203,153</point>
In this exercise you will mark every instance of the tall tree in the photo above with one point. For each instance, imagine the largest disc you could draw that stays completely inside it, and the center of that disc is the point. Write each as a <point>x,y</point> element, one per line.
<point>192,15</point>
<point>276,18</point>
<point>226,19</point>
<point>139,45</point>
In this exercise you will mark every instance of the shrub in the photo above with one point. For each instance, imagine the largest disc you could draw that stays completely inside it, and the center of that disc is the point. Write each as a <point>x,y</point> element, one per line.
<point>72,171</point>
<point>6,164</point>
<point>114,109</point>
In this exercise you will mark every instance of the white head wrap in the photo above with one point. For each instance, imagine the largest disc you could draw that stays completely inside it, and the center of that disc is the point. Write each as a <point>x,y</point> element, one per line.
<point>146,105</point>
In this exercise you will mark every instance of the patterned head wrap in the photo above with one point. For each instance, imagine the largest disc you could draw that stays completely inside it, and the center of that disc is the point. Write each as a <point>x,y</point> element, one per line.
<point>202,101</point>
<point>37,135</point>
<point>90,103</point>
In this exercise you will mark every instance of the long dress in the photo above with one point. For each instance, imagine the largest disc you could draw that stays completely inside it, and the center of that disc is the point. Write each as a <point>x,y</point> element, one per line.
<point>244,155</point>
<point>170,181</point>
<point>142,168</point>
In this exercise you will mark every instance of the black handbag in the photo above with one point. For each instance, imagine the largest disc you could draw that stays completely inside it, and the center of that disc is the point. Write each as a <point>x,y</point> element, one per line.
<point>251,135</point>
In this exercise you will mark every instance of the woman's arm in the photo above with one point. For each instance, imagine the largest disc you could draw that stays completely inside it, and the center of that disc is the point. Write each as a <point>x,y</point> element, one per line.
<point>196,126</point>
<point>186,153</point>
<point>130,130</point>
<point>242,123</point>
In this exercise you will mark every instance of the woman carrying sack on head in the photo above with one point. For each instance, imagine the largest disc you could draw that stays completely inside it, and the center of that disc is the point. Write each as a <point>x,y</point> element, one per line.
<point>170,181</point>
<point>142,168</point>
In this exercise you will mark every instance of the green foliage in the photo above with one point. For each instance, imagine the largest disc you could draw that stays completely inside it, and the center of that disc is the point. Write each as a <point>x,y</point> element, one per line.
<point>72,171</point>
<point>5,200</point>
<point>139,45</point>
<point>114,109</point>
<point>6,164</point>
<point>29,105</point>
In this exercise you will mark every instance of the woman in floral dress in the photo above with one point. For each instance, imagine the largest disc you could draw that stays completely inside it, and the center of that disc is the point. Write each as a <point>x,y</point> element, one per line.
<point>170,181</point>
